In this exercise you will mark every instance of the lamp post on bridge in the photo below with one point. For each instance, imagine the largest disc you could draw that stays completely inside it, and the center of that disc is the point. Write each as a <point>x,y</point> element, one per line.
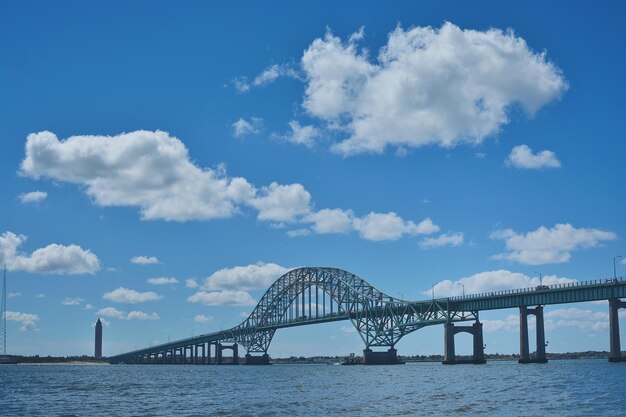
<point>433,291</point>
<point>463,288</point>
<point>614,269</point>
<point>540,278</point>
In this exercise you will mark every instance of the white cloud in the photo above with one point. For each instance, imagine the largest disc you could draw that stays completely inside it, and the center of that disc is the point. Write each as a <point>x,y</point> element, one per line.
<point>162,281</point>
<point>88,307</point>
<point>111,312</point>
<point>126,296</point>
<point>149,170</point>
<point>390,226</point>
<point>583,319</point>
<point>332,221</point>
<point>510,323</point>
<point>428,86</point>
<point>140,315</point>
<point>222,298</point>
<point>259,276</point>
<point>522,157</point>
<point>33,197</point>
<point>348,329</point>
<point>52,259</point>
<point>301,135</point>
<point>76,301</point>
<point>243,128</point>
<point>490,281</point>
<point>270,74</point>
<point>201,318</point>
<point>14,294</point>
<point>133,315</point>
<point>544,246</point>
<point>40,295</point>
<point>446,239</point>
<point>191,283</point>
<point>624,261</point>
<point>144,260</point>
<point>153,172</point>
<point>298,232</point>
<point>267,76</point>
<point>373,226</point>
<point>26,320</point>
<point>282,203</point>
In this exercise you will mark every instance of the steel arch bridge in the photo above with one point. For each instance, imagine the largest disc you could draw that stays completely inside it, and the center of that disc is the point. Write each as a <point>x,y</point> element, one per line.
<point>311,295</point>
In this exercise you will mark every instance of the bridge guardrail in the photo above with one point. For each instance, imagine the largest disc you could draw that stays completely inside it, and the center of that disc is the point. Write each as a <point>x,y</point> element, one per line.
<point>573,284</point>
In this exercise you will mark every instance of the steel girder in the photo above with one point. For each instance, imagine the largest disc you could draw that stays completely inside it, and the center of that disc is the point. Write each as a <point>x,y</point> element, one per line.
<point>380,320</point>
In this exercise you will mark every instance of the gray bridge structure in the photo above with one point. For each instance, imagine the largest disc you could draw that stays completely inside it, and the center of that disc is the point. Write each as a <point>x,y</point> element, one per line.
<point>311,295</point>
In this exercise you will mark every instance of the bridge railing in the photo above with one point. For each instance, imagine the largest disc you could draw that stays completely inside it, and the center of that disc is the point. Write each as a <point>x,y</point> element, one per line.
<point>573,284</point>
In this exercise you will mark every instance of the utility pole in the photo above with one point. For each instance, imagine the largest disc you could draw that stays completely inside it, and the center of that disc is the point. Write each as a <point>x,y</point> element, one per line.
<point>3,312</point>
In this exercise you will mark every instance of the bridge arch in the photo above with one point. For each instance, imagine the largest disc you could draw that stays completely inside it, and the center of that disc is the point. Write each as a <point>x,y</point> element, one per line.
<point>380,319</point>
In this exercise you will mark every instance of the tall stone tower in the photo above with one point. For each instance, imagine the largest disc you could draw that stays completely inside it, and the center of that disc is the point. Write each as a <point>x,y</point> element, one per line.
<point>98,339</point>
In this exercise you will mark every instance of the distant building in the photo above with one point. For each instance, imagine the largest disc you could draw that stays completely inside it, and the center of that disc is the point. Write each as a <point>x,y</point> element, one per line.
<point>98,339</point>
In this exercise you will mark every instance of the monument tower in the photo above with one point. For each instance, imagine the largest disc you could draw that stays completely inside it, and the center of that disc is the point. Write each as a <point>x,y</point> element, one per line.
<point>98,339</point>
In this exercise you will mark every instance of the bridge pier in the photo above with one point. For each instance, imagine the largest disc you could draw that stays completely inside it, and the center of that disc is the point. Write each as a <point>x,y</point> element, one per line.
<point>478,354</point>
<point>258,360</point>
<point>218,353</point>
<point>390,357</point>
<point>524,312</point>
<point>616,351</point>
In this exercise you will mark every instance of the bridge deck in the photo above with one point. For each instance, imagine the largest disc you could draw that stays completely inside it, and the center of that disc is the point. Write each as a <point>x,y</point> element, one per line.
<point>542,295</point>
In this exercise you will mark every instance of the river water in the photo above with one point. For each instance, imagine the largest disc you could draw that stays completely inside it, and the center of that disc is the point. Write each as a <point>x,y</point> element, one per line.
<point>559,388</point>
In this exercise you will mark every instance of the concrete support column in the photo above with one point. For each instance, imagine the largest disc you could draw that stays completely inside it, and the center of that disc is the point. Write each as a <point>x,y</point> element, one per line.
<point>479,346</point>
<point>235,354</point>
<point>448,343</point>
<point>541,336</point>
<point>524,354</point>
<point>616,350</point>
<point>524,311</point>
<point>218,353</point>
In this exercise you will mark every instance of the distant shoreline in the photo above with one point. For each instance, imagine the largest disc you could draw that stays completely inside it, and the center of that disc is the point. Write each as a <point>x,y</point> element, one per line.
<point>89,360</point>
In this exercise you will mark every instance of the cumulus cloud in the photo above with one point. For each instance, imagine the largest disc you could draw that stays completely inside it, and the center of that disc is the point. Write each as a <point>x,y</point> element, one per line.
<point>243,127</point>
<point>490,281</point>
<point>222,298</point>
<point>427,86</point>
<point>152,171</point>
<point>301,135</point>
<point>27,321</point>
<point>523,157</point>
<point>282,203</point>
<point>549,245</point>
<point>144,260</point>
<point>259,276</point>
<point>126,296</point>
<point>191,283</point>
<point>75,301</point>
<point>373,226</point>
<point>14,294</point>
<point>140,315</point>
<point>133,315</point>
<point>33,197</point>
<point>201,318</point>
<point>53,259</point>
<point>149,170</point>
<point>162,281</point>
<point>446,239</point>
<point>390,226</point>
<point>111,312</point>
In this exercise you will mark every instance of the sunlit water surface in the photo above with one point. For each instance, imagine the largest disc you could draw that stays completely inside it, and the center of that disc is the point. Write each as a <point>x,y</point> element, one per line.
<point>559,388</point>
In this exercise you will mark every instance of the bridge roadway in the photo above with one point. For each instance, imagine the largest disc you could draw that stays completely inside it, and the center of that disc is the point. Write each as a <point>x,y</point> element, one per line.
<point>380,320</point>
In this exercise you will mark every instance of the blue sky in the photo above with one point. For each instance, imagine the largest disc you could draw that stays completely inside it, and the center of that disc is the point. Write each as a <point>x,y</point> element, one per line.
<point>163,164</point>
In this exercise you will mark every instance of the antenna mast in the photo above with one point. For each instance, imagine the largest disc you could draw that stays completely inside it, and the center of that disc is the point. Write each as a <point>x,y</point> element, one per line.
<point>3,312</point>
